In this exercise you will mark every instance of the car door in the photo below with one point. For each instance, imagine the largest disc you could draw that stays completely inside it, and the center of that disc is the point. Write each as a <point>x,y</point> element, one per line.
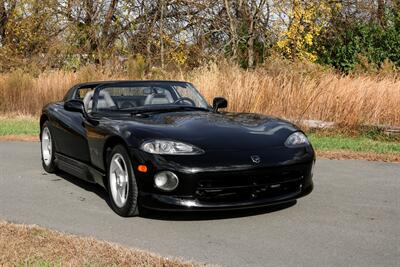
<point>70,131</point>
<point>70,134</point>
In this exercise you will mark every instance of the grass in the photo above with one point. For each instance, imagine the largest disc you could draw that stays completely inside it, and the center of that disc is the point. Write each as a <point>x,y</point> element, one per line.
<point>355,144</point>
<point>38,263</point>
<point>19,126</point>
<point>32,246</point>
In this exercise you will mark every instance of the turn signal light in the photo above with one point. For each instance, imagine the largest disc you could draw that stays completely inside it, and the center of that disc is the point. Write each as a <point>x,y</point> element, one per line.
<point>142,168</point>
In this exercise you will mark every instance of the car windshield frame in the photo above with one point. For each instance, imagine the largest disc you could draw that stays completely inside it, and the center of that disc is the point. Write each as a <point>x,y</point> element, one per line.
<point>149,108</point>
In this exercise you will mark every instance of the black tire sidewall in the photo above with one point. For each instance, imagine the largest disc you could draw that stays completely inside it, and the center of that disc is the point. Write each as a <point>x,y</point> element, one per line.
<point>51,168</point>
<point>131,206</point>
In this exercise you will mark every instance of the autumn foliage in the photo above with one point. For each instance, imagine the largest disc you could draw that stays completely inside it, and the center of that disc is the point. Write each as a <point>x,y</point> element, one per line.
<point>58,34</point>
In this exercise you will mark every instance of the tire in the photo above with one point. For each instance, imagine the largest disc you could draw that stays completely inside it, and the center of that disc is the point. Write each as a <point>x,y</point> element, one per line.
<point>121,183</point>
<point>47,149</point>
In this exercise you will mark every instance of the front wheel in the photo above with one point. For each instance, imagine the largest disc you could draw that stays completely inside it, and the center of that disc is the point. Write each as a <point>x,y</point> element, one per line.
<point>122,187</point>
<point>47,149</point>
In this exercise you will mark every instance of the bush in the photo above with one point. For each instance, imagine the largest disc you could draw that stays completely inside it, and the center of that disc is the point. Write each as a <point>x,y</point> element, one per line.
<point>370,40</point>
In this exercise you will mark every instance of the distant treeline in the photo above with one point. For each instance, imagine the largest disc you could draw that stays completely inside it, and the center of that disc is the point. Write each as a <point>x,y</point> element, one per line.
<point>186,33</point>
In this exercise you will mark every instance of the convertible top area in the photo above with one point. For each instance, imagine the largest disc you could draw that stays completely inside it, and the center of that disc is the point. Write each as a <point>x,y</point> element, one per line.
<point>106,96</point>
<point>72,93</point>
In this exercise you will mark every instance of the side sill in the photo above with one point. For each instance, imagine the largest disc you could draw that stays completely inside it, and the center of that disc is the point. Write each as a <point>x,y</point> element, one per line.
<point>79,169</point>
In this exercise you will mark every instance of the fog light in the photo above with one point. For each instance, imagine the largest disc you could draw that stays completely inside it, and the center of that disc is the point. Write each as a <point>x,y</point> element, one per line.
<point>166,180</point>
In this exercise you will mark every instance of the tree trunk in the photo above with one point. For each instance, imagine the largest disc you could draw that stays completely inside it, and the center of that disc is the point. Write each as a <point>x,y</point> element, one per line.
<point>162,33</point>
<point>149,36</point>
<point>106,36</point>
<point>90,29</point>
<point>233,30</point>
<point>3,22</point>
<point>381,12</point>
<point>250,45</point>
<point>4,17</point>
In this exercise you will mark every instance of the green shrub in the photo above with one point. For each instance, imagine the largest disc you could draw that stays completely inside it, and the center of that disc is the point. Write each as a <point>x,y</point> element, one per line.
<point>361,44</point>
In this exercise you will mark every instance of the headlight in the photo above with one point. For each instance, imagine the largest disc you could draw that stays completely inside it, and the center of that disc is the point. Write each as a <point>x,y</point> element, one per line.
<point>297,139</point>
<point>165,147</point>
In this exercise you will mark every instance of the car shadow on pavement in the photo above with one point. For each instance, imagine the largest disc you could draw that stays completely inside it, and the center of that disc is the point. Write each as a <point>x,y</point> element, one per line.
<point>212,215</point>
<point>177,215</point>
<point>91,187</point>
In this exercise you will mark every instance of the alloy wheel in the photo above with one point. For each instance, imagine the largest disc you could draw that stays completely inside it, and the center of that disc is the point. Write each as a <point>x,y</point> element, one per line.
<point>119,180</point>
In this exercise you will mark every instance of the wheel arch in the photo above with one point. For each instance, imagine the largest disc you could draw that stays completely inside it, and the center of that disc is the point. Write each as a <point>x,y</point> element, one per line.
<point>109,144</point>
<point>43,119</point>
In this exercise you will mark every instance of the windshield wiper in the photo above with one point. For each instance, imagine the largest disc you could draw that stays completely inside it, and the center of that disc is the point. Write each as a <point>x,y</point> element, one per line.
<point>162,110</point>
<point>143,110</point>
<point>191,108</point>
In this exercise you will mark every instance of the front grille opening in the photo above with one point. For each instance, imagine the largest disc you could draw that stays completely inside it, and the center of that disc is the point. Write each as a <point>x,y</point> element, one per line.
<point>248,188</point>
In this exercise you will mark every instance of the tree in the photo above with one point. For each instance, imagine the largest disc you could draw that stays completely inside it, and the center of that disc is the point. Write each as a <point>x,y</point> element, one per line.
<point>27,28</point>
<point>247,23</point>
<point>94,26</point>
<point>380,14</point>
<point>6,10</point>
<point>306,20</point>
<point>184,33</point>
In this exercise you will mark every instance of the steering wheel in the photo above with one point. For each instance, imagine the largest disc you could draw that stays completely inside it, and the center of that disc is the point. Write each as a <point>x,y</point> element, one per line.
<point>127,105</point>
<point>183,99</point>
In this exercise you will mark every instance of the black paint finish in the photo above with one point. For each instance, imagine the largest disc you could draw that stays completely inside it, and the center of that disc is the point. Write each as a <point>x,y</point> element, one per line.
<point>224,177</point>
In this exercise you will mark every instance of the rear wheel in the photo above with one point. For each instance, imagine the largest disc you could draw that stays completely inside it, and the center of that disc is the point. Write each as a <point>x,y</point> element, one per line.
<point>122,187</point>
<point>47,149</point>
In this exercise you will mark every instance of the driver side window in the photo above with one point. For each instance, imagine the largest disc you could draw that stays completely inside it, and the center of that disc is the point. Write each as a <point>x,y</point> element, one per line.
<point>104,101</point>
<point>88,101</point>
<point>82,92</point>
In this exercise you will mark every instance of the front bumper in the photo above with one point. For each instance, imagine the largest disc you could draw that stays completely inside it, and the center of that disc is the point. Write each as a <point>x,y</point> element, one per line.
<point>235,190</point>
<point>176,203</point>
<point>285,176</point>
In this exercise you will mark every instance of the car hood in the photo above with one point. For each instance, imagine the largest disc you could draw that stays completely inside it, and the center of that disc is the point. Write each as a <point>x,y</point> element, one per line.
<point>207,130</point>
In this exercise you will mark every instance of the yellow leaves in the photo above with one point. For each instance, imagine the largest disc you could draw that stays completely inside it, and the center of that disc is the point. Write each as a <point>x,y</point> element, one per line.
<point>282,43</point>
<point>177,52</point>
<point>310,57</point>
<point>308,38</point>
<point>179,57</point>
<point>28,27</point>
<point>306,22</point>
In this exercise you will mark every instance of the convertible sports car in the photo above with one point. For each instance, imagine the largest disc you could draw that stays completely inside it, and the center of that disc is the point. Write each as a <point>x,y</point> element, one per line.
<point>159,145</point>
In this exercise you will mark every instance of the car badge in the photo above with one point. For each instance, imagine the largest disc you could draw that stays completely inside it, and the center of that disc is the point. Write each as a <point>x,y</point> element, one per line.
<point>256,159</point>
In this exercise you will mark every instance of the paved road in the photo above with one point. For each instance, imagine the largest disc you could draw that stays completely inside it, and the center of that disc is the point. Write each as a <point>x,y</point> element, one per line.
<point>351,219</point>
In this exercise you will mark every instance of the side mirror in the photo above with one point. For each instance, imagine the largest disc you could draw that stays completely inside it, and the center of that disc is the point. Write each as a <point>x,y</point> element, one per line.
<point>219,102</point>
<point>75,105</point>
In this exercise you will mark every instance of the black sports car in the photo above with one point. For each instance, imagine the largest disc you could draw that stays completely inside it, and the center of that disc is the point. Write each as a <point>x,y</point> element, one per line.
<point>159,145</point>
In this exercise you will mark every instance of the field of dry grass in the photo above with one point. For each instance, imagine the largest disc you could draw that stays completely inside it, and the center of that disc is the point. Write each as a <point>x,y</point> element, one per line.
<point>22,245</point>
<point>302,93</point>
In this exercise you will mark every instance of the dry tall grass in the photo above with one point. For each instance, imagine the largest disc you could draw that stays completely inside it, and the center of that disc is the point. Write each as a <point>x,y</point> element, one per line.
<point>293,94</point>
<point>24,245</point>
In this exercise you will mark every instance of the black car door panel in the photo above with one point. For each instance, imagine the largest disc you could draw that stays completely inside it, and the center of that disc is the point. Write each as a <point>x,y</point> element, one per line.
<point>70,134</point>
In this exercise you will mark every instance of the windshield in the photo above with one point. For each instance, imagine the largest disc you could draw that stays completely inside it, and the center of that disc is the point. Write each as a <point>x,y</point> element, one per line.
<point>146,97</point>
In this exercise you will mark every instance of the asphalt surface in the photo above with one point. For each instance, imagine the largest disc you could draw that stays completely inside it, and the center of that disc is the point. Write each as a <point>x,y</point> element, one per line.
<point>351,219</point>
